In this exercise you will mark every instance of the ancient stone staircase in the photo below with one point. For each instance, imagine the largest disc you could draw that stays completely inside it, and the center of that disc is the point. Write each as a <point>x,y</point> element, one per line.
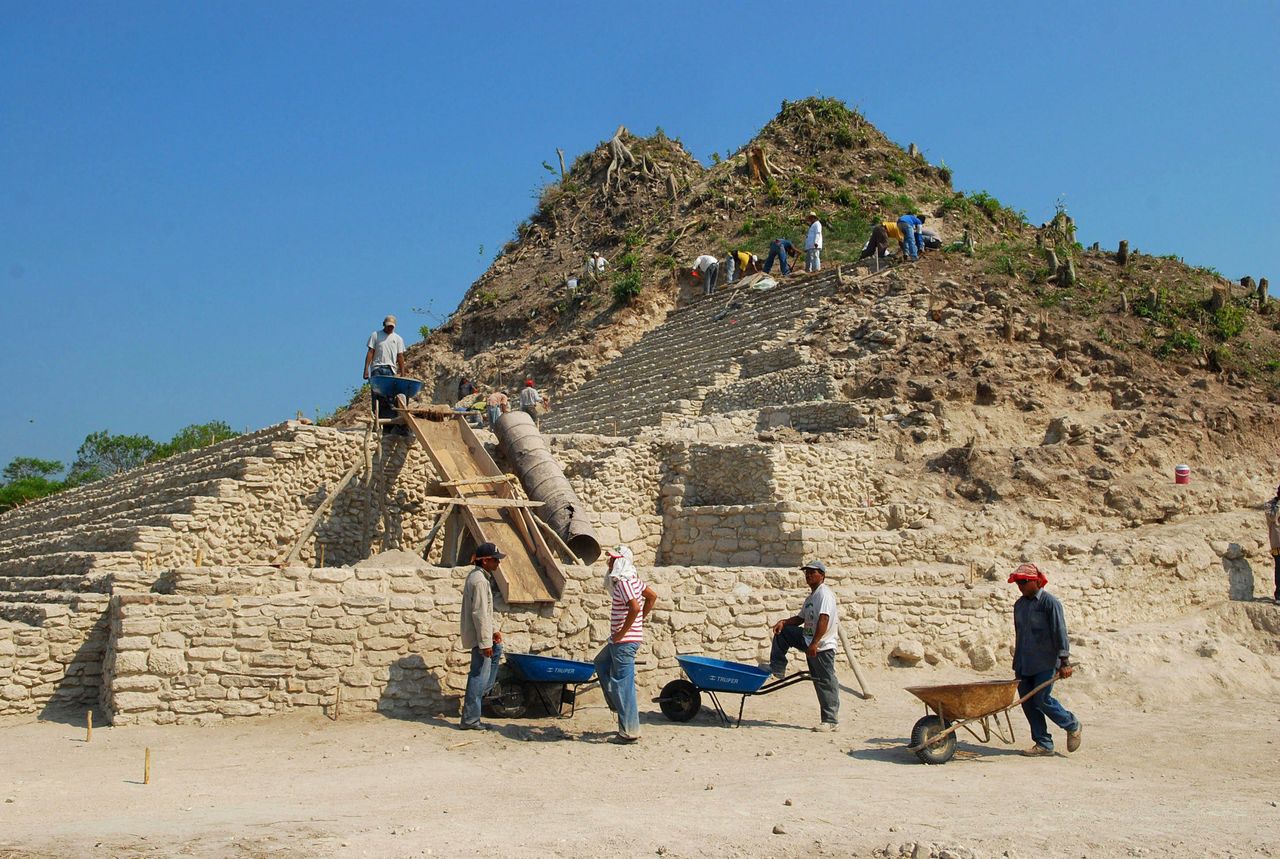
<point>671,369</point>
<point>74,541</point>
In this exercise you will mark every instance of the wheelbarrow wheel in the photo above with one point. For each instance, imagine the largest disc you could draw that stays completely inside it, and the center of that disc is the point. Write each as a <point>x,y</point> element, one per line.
<point>680,700</point>
<point>507,700</point>
<point>926,729</point>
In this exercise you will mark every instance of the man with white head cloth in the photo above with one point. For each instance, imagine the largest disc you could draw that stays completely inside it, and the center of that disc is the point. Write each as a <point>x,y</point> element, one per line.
<point>632,600</point>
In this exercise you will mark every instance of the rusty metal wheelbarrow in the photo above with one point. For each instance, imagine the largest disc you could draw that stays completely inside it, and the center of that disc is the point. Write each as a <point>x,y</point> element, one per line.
<point>965,706</point>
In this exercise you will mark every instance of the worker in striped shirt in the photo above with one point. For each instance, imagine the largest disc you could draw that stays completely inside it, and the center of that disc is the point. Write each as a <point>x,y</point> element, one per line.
<point>632,600</point>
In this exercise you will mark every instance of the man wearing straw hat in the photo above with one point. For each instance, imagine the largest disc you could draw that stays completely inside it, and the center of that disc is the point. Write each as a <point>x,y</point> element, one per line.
<point>1041,654</point>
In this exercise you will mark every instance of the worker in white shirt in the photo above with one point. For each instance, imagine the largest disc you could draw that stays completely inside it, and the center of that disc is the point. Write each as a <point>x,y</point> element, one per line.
<point>813,244</point>
<point>705,268</point>
<point>595,266</point>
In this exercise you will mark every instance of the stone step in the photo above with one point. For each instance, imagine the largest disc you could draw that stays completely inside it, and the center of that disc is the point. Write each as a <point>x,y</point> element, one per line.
<point>67,563</point>
<point>94,537</point>
<point>100,583</point>
<point>36,607</point>
<point>127,510</point>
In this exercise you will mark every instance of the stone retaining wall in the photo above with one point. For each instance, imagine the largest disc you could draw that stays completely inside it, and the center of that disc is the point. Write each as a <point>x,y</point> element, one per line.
<point>388,637</point>
<point>53,658</point>
<point>799,384</point>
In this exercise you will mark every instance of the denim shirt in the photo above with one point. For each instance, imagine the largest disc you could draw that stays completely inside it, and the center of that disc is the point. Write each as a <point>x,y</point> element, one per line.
<point>1040,627</point>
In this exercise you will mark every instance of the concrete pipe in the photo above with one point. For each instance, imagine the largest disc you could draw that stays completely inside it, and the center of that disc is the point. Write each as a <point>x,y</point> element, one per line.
<point>544,481</point>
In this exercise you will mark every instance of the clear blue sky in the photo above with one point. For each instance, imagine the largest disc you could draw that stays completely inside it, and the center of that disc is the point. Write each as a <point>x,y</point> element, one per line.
<point>205,208</point>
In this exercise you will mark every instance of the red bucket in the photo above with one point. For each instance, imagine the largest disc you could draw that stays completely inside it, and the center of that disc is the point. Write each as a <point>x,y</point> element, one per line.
<point>1182,474</point>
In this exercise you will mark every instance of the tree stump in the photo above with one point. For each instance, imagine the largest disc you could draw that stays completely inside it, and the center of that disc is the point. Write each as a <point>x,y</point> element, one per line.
<point>1051,258</point>
<point>1218,299</point>
<point>1263,306</point>
<point>761,171</point>
<point>1067,273</point>
<point>912,151</point>
<point>1122,255</point>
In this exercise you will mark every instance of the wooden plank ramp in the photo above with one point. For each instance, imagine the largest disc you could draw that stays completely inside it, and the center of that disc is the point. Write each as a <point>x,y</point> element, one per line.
<point>530,573</point>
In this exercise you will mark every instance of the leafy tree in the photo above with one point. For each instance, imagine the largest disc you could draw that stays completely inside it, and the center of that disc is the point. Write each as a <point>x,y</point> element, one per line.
<point>103,454</point>
<point>28,478</point>
<point>24,467</point>
<point>193,437</point>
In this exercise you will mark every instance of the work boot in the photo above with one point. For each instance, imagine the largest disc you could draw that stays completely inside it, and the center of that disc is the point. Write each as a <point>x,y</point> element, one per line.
<point>1073,737</point>
<point>825,727</point>
<point>1037,751</point>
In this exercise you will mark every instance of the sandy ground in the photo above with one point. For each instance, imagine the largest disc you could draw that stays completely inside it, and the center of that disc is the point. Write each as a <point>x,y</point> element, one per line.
<point>1188,774</point>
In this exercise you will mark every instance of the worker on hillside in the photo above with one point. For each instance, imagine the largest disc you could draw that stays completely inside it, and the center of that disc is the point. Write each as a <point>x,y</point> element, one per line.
<point>465,388</point>
<point>595,266</point>
<point>783,250</point>
<point>631,600</point>
<point>815,631</point>
<point>496,405</point>
<point>529,400</point>
<point>813,244</point>
<point>740,261</point>
<point>479,635</point>
<point>706,268</point>
<point>878,245</point>
<point>385,357</point>
<point>909,226</point>
<point>1041,654</point>
<point>1273,532</point>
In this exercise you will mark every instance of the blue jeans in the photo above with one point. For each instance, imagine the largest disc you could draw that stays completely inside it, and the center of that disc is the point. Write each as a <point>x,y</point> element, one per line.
<point>909,244</point>
<point>1044,704</point>
<point>495,412</point>
<point>778,250</point>
<point>383,406</point>
<point>616,668</point>
<point>483,674</point>
<point>709,278</point>
<point>822,670</point>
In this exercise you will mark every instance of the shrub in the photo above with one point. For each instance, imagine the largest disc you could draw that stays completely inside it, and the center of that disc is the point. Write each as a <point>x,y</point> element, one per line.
<point>1179,341</point>
<point>1229,321</point>
<point>843,137</point>
<point>944,172</point>
<point>626,286</point>
<point>844,197</point>
<point>897,178</point>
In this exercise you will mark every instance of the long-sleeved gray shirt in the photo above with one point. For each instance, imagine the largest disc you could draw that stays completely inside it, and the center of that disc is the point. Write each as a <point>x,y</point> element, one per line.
<point>477,610</point>
<point>1040,630</point>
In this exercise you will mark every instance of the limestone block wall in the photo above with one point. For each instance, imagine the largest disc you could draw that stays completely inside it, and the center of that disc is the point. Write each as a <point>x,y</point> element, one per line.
<point>388,636</point>
<point>620,482</point>
<point>798,384</point>
<point>53,658</point>
<point>761,362</point>
<point>734,535</point>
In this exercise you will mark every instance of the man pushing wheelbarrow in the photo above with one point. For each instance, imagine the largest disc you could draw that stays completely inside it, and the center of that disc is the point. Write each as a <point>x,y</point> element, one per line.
<point>1041,650</point>
<point>1041,655</point>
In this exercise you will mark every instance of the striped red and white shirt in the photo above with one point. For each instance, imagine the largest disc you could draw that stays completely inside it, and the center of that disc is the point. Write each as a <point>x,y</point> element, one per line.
<point>624,591</point>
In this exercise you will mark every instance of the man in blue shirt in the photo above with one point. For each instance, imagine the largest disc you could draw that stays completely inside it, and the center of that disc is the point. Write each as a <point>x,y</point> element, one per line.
<point>910,226</point>
<point>1041,653</point>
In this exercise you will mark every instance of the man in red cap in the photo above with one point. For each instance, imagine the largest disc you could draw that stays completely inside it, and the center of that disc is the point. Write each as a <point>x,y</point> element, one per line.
<point>529,400</point>
<point>1041,653</point>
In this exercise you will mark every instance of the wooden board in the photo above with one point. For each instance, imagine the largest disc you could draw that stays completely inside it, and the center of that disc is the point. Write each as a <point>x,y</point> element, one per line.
<point>530,573</point>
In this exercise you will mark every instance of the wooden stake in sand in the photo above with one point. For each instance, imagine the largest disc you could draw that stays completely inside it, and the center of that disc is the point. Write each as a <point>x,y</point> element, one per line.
<point>146,768</point>
<point>88,734</point>
<point>853,663</point>
<point>337,700</point>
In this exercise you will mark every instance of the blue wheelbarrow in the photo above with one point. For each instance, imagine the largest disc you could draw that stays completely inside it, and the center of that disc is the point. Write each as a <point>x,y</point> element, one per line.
<point>533,678</point>
<point>392,386</point>
<point>682,699</point>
